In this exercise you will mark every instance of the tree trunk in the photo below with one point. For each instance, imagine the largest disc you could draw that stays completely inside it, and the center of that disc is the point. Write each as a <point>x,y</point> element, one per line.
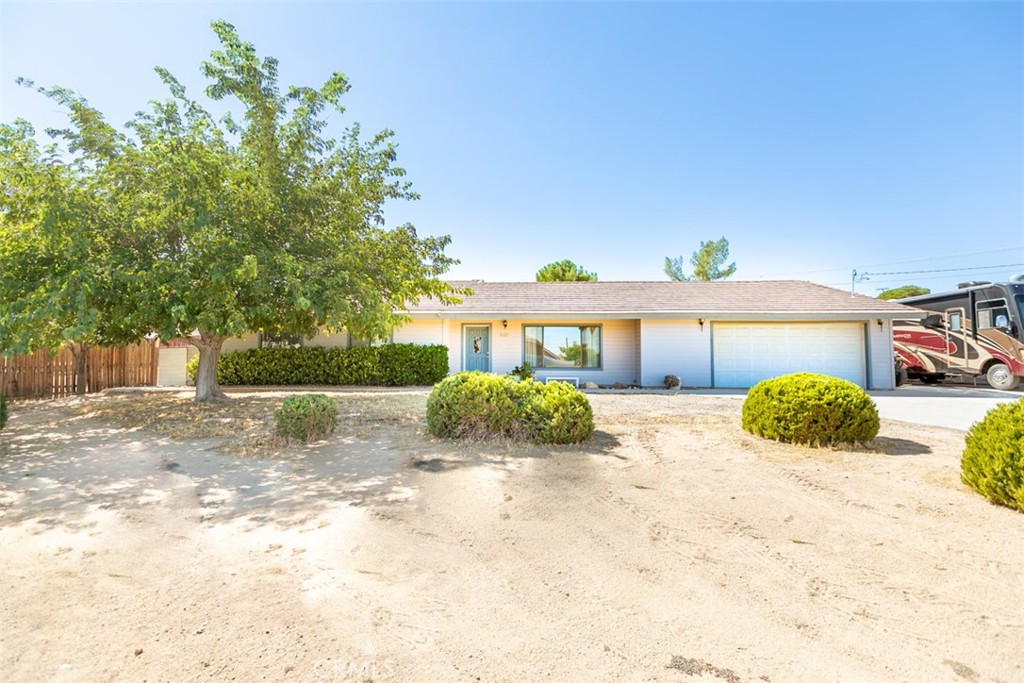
<point>80,353</point>
<point>207,388</point>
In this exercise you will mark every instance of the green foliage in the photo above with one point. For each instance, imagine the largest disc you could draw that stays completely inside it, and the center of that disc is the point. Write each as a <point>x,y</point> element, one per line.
<point>3,411</point>
<point>672,382</point>
<point>477,405</point>
<point>810,409</point>
<point>306,418</point>
<point>903,292</point>
<point>993,460</point>
<point>221,224</point>
<point>412,364</point>
<point>524,371</point>
<point>564,271</point>
<point>706,261</point>
<point>387,365</point>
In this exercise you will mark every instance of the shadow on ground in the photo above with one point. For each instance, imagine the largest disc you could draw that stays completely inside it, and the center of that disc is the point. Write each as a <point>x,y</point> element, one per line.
<point>54,470</point>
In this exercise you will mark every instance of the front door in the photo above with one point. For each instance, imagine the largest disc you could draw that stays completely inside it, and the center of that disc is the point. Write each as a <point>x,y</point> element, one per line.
<point>956,338</point>
<point>477,348</point>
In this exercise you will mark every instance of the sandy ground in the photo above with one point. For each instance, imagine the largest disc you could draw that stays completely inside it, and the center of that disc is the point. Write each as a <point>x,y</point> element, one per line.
<point>671,547</point>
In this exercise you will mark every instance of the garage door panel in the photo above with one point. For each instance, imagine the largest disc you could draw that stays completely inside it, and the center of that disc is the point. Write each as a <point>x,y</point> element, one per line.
<point>746,353</point>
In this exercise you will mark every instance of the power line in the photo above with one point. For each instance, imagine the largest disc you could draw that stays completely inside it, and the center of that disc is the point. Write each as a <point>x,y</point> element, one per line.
<point>896,263</point>
<point>946,270</point>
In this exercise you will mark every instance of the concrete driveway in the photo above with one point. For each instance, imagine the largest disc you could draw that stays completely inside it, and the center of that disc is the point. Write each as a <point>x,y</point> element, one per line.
<point>953,407</point>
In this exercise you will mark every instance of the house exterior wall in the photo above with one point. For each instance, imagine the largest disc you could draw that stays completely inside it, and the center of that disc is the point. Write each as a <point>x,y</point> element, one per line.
<point>420,332</point>
<point>618,347</point>
<point>675,347</point>
<point>171,367</point>
<point>880,356</point>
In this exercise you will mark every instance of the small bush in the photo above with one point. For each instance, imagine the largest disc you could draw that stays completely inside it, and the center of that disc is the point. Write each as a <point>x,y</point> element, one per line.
<point>810,409</point>
<point>477,405</point>
<point>388,365</point>
<point>557,412</point>
<point>3,411</point>
<point>993,460</point>
<point>306,418</point>
<point>671,382</point>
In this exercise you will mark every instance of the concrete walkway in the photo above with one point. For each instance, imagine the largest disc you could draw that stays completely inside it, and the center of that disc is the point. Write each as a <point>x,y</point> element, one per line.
<point>953,407</point>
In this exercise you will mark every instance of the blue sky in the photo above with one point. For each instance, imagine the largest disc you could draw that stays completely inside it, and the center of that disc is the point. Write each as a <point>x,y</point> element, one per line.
<point>818,137</point>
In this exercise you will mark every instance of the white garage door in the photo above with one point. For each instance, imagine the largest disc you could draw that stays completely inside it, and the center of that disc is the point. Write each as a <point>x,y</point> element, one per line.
<point>746,353</point>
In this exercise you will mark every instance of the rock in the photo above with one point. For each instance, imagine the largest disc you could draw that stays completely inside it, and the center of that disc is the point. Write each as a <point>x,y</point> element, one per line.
<point>618,385</point>
<point>590,385</point>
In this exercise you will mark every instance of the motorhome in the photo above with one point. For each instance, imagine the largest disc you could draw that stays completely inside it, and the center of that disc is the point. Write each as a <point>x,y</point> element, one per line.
<point>977,330</point>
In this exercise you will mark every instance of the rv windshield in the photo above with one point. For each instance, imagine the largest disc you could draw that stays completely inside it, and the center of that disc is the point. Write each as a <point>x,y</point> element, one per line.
<point>1019,298</point>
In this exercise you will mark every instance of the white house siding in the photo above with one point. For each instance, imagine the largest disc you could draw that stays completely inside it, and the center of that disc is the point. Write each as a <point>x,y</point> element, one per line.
<point>419,332</point>
<point>618,348</point>
<point>171,367</point>
<point>252,341</point>
<point>249,341</point>
<point>880,355</point>
<point>675,347</point>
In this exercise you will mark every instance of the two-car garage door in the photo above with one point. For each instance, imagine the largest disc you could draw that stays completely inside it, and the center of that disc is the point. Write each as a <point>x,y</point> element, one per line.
<point>746,353</point>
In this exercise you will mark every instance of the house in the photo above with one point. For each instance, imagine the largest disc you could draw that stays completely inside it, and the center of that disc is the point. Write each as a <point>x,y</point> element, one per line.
<point>710,334</point>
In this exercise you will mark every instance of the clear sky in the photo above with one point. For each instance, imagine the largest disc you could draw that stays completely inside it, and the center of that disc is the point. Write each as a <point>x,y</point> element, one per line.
<point>818,137</point>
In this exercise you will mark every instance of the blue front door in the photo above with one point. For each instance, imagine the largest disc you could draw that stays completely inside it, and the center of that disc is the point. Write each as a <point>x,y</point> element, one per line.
<point>477,348</point>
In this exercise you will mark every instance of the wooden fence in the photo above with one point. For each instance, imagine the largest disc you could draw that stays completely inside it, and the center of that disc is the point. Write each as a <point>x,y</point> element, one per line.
<point>41,375</point>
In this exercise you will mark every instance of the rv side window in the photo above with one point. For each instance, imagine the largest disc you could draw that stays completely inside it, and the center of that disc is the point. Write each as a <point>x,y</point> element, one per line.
<point>954,322</point>
<point>992,315</point>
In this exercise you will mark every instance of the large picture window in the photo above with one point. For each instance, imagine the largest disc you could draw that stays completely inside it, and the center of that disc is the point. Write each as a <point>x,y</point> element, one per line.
<point>562,346</point>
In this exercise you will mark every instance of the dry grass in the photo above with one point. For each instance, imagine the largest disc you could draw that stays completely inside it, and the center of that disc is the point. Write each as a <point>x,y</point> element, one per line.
<point>246,422</point>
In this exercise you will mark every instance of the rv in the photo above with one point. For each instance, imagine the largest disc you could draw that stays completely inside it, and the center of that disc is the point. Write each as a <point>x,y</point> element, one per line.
<point>976,330</point>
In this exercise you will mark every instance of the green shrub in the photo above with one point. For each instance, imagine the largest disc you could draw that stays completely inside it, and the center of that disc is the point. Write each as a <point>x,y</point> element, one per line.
<point>409,364</point>
<point>192,368</point>
<point>3,411</point>
<point>478,404</point>
<point>810,409</point>
<point>524,371</point>
<point>557,412</point>
<point>388,365</point>
<point>306,418</point>
<point>993,460</point>
<point>672,382</point>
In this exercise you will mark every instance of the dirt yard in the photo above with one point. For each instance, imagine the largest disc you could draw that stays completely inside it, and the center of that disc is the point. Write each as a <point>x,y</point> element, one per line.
<point>143,540</point>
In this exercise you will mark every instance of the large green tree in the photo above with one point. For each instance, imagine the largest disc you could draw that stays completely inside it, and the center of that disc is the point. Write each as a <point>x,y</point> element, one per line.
<point>564,271</point>
<point>707,263</point>
<point>903,292</point>
<point>256,221</point>
<point>55,284</point>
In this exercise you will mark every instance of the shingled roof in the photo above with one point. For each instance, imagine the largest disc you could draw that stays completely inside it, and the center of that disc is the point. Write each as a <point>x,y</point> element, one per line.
<point>737,300</point>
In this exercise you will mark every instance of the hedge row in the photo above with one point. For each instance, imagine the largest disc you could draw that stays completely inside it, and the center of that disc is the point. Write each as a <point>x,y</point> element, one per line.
<point>389,365</point>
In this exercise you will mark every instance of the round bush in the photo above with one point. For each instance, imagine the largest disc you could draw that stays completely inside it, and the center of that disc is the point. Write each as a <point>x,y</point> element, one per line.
<point>993,460</point>
<point>306,418</point>
<point>810,409</point>
<point>478,404</point>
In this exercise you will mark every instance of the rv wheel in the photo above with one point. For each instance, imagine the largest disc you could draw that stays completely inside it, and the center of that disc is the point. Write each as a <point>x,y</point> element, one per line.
<point>901,376</point>
<point>1000,377</point>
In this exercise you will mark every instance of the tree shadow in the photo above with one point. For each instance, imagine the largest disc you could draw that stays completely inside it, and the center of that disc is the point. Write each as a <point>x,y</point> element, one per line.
<point>54,473</point>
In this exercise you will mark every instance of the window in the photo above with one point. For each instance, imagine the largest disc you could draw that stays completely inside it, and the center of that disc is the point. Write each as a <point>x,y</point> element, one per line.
<point>562,346</point>
<point>280,341</point>
<point>993,314</point>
